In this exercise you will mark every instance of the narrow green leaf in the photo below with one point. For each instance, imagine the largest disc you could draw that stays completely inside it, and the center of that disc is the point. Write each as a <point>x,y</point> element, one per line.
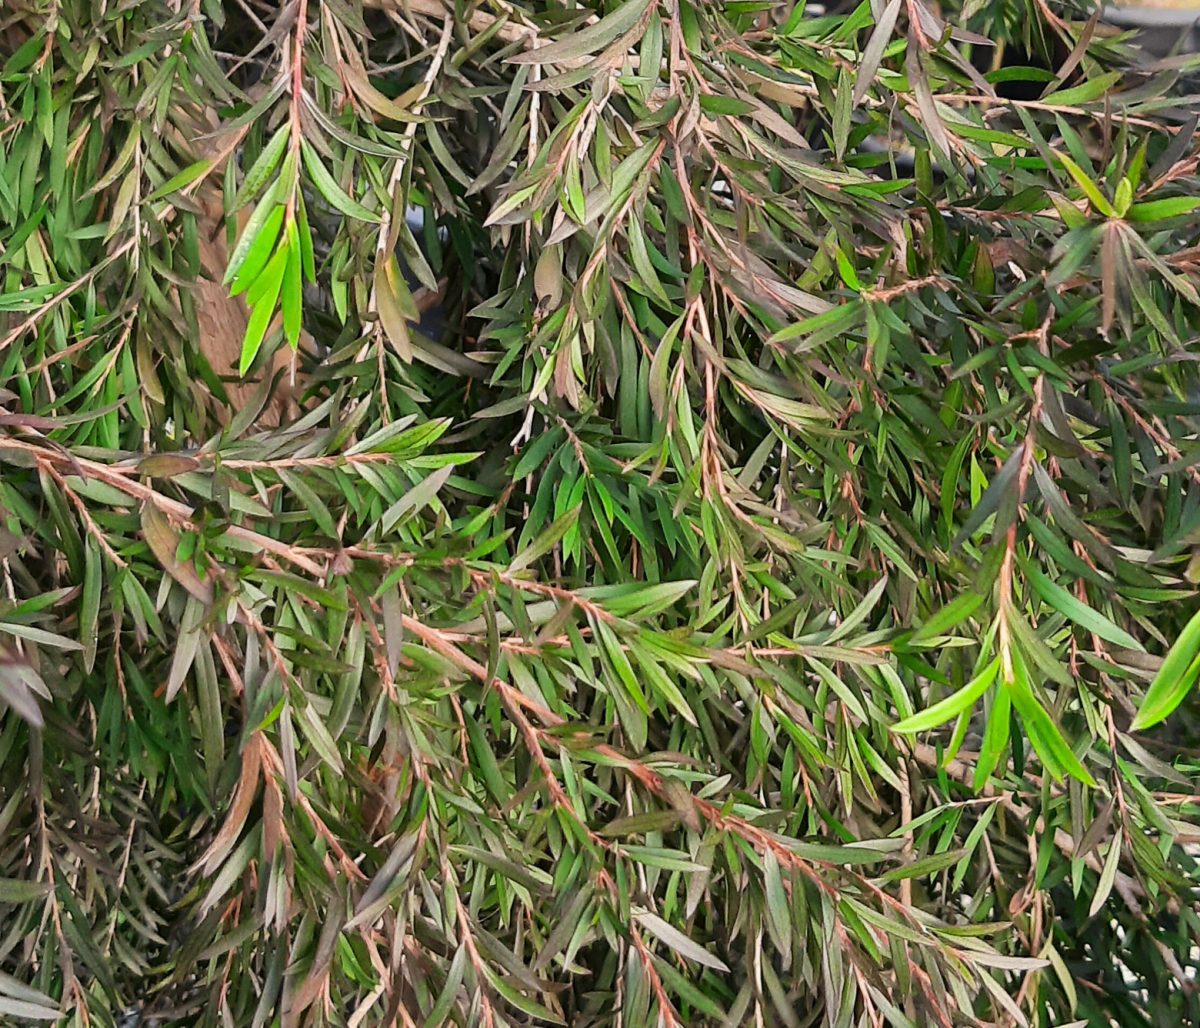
<point>184,178</point>
<point>546,541</point>
<point>674,939</point>
<point>997,492</point>
<point>20,890</point>
<point>264,166</point>
<point>258,234</point>
<point>292,289</point>
<point>1108,876</point>
<point>1086,92</point>
<point>1045,735</point>
<point>266,297</point>
<point>415,499</point>
<point>1161,210</point>
<point>1175,678</point>
<point>24,1010</point>
<point>779,913</point>
<point>1090,189</point>
<point>1084,616</point>
<point>328,187</point>
<point>953,613</point>
<point>860,613</point>
<point>872,54</point>
<point>253,252</point>
<point>89,612</point>
<point>588,40</point>
<point>995,736</point>
<point>952,706</point>
<point>924,867</point>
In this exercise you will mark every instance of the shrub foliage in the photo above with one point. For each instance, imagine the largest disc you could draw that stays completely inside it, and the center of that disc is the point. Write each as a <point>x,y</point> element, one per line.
<point>732,608</point>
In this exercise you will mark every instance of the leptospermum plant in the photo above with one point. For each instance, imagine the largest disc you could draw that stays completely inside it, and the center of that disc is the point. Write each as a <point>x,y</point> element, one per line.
<point>766,601</point>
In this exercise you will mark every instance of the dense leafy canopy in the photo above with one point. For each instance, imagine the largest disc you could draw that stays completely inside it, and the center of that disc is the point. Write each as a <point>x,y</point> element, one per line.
<point>733,608</point>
